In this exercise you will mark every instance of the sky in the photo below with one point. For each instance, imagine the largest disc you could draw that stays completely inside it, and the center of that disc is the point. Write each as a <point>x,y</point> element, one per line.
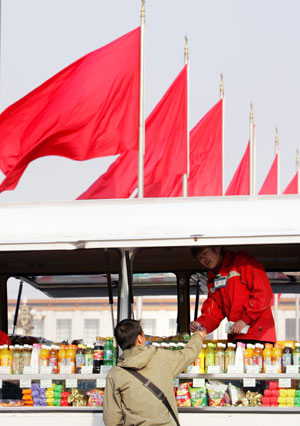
<point>254,44</point>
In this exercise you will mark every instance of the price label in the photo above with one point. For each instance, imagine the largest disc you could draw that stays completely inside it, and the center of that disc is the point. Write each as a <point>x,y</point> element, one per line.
<point>0,384</point>
<point>27,370</point>
<point>105,369</point>
<point>249,383</point>
<point>25,383</point>
<point>4,370</point>
<point>213,369</point>
<point>87,369</point>
<point>252,369</point>
<point>45,370</point>
<point>271,369</point>
<point>176,382</point>
<point>100,383</point>
<point>198,383</point>
<point>71,383</point>
<point>284,383</point>
<point>292,369</point>
<point>46,383</point>
<point>232,369</point>
<point>66,369</point>
<point>193,369</point>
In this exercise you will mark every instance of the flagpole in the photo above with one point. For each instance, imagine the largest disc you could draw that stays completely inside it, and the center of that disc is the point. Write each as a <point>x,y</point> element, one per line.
<point>186,175</point>
<point>142,106</point>
<point>297,169</point>
<point>252,151</point>
<point>223,125</point>
<point>277,153</point>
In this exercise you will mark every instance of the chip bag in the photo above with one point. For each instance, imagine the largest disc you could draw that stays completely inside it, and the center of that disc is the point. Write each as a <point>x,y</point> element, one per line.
<point>198,397</point>
<point>216,393</point>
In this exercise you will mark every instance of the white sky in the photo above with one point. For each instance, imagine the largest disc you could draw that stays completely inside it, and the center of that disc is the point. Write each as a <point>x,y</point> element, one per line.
<point>255,44</point>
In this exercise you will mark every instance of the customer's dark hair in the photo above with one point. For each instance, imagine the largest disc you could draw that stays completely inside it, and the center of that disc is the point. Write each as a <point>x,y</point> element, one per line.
<point>126,333</point>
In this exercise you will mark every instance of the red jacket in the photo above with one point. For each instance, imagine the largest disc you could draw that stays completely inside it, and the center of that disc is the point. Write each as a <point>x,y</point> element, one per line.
<point>245,294</point>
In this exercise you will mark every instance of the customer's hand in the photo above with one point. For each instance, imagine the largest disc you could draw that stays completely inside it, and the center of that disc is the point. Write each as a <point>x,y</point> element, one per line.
<point>194,326</point>
<point>238,327</point>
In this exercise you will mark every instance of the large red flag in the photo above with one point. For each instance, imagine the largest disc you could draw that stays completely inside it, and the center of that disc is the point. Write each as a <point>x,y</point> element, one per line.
<point>270,185</point>
<point>240,183</point>
<point>165,148</point>
<point>205,160</point>
<point>89,109</point>
<point>292,187</point>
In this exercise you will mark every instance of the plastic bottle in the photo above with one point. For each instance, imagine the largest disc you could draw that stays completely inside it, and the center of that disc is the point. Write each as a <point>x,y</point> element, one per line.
<point>35,358</point>
<point>89,356</point>
<point>209,356</point>
<point>258,356</point>
<point>239,357</point>
<point>220,357</point>
<point>248,356</point>
<point>98,356</point>
<point>61,357</point>
<point>79,358</point>
<point>15,360</point>
<point>286,356</point>
<point>296,354</point>
<point>71,357</point>
<point>267,355</point>
<point>27,355</point>
<point>229,356</point>
<point>201,357</point>
<point>277,357</point>
<point>108,352</point>
<point>53,359</point>
<point>6,357</point>
<point>1,349</point>
<point>44,356</point>
<point>21,361</point>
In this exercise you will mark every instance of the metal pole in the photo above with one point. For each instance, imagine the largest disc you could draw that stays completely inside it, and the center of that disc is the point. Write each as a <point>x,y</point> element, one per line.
<point>142,106</point>
<point>223,127</point>
<point>124,290</point>
<point>297,317</point>
<point>197,297</point>
<point>277,153</point>
<point>276,312</point>
<point>251,152</point>
<point>109,284</point>
<point>17,307</point>
<point>186,175</point>
<point>129,278</point>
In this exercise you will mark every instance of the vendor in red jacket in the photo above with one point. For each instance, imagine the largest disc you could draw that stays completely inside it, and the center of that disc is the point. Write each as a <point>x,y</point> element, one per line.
<point>238,289</point>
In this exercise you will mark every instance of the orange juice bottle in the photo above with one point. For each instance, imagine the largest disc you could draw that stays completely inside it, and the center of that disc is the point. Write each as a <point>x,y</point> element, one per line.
<point>71,357</point>
<point>258,356</point>
<point>277,357</point>
<point>61,357</point>
<point>44,356</point>
<point>6,357</point>
<point>267,355</point>
<point>248,356</point>
<point>200,361</point>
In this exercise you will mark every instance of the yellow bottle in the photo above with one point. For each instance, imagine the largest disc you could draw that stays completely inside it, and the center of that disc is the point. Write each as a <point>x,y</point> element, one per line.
<point>248,356</point>
<point>6,357</point>
<point>200,361</point>
<point>277,357</point>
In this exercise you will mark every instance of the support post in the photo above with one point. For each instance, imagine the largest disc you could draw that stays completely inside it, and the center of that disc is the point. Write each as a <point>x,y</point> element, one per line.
<point>142,107</point>
<point>183,302</point>
<point>3,304</point>
<point>124,289</point>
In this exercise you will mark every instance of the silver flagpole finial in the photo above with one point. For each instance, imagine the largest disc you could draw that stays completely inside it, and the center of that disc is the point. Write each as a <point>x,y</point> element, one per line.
<point>297,159</point>
<point>186,49</point>
<point>251,112</point>
<point>276,141</point>
<point>143,9</point>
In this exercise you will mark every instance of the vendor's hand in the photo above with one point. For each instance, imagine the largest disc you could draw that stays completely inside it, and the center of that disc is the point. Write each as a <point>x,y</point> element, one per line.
<point>238,327</point>
<point>202,333</point>
<point>194,326</point>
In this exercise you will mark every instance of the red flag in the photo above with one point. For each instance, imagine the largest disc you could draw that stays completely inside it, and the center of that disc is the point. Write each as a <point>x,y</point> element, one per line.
<point>89,109</point>
<point>205,160</point>
<point>240,183</point>
<point>292,187</point>
<point>165,148</point>
<point>270,185</point>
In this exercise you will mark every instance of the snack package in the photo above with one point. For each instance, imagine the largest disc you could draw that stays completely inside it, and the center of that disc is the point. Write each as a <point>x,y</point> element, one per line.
<point>216,393</point>
<point>236,394</point>
<point>183,397</point>
<point>95,397</point>
<point>198,396</point>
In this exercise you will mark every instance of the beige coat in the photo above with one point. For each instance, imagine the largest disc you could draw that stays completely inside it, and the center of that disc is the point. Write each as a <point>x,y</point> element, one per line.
<point>128,402</point>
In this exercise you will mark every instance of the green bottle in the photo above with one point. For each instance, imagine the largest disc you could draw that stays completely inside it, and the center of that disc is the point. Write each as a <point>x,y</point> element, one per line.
<point>209,355</point>
<point>108,352</point>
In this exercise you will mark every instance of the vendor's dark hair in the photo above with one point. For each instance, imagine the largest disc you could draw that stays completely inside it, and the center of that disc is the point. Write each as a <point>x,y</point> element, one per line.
<point>126,333</point>
<point>196,250</point>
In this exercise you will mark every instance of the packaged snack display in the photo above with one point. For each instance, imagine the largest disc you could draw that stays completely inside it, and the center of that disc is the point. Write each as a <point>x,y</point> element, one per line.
<point>95,398</point>
<point>236,394</point>
<point>216,393</point>
<point>183,397</point>
<point>198,396</point>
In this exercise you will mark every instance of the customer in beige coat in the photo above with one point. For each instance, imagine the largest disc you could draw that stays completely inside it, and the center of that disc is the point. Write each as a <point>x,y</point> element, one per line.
<point>126,400</point>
